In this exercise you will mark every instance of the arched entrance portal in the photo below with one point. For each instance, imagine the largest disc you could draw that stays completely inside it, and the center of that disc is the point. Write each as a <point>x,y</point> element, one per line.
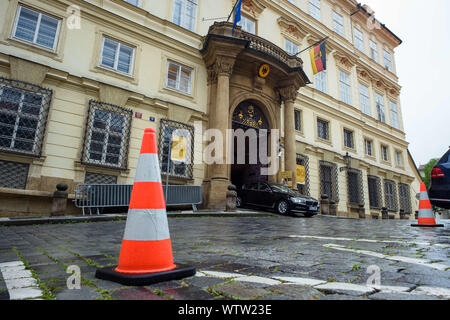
<point>251,143</point>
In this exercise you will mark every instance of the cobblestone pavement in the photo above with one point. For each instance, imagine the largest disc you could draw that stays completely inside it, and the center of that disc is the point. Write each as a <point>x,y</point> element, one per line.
<point>265,258</point>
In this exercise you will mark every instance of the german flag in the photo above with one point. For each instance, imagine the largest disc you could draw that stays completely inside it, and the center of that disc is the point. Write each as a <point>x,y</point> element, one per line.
<point>318,56</point>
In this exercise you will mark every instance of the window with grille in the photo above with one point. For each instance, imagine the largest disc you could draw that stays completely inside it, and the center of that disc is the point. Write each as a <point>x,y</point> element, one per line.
<point>24,111</point>
<point>338,23</point>
<point>390,195</point>
<point>373,50</point>
<point>303,160</point>
<point>380,107</point>
<point>320,81</point>
<point>394,114</point>
<point>359,40</point>
<point>107,135</point>
<point>297,119</point>
<point>97,178</point>
<point>314,9</point>
<point>344,84</point>
<point>37,28</point>
<point>329,180</point>
<point>364,98</point>
<point>117,56</point>
<point>166,131</point>
<point>348,139</point>
<point>13,174</point>
<point>185,13</point>
<point>291,47</point>
<point>179,77</point>
<point>404,197</point>
<point>354,187</point>
<point>374,192</point>
<point>322,129</point>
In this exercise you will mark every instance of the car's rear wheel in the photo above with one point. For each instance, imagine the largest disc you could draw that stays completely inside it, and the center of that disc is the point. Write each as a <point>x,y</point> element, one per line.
<point>282,207</point>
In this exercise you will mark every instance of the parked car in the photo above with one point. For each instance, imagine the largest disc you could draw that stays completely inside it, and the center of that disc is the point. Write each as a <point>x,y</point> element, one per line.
<point>439,192</point>
<point>276,196</point>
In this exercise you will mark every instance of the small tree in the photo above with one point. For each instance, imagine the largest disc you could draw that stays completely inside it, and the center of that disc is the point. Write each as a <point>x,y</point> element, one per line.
<point>427,172</point>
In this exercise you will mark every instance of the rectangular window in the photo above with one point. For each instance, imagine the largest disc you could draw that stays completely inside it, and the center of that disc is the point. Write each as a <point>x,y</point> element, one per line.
<point>314,9</point>
<point>373,50</point>
<point>354,186</point>
<point>13,175</point>
<point>394,114</point>
<point>368,147</point>
<point>23,114</point>
<point>37,28</point>
<point>322,129</point>
<point>166,131</point>
<point>399,158</point>
<point>291,47</point>
<point>320,81</point>
<point>387,60</point>
<point>384,153</point>
<point>107,135</point>
<point>185,14</point>
<point>97,178</point>
<point>344,83</point>
<point>374,192</point>
<point>297,118</point>
<point>348,139</point>
<point>179,77</point>
<point>380,107</point>
<point>404,198</point>
<point>329,180</point>
<point>248,25</point>
<point>117,56</point>
<point>338,23</point>
<point>359,40</point>
<point>390,195</point>
<point>364,98</point>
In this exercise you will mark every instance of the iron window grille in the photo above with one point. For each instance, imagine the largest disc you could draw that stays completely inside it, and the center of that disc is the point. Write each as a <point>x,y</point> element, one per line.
<point>97,178</point>
<point>303,160</point>
<point>329,180</point>
<point>375,198</point>
<point>355,187</point>
<point>176,169</point>
<point>390,196</point>
<point>404,193</point>
<point>13,174</point>
<point>24,109</point>
<point>107,135</point>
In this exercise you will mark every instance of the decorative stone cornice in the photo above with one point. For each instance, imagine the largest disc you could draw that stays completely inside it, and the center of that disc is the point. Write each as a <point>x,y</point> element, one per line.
<point>253,8</point>
<point>291,28</point>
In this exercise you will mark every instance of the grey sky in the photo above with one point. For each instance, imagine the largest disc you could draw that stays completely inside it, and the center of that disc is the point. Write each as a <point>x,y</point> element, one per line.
<point>423,65</point>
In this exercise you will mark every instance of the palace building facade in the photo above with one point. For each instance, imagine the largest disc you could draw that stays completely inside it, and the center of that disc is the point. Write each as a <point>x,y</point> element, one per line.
<point>81,80</point>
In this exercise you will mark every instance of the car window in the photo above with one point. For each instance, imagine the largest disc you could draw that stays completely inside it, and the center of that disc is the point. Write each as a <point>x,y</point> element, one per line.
<point>253,186</point>
<point>281,188</point>
<point>445,158</point>
<point>264,187</point>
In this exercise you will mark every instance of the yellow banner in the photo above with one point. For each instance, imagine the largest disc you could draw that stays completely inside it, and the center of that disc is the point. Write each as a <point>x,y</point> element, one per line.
<point>301,174</point>
<point>285,177</point>
<point>179,149</point>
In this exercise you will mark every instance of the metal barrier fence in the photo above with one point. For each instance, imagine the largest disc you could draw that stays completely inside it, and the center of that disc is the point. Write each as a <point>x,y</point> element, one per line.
<point>97,196</point>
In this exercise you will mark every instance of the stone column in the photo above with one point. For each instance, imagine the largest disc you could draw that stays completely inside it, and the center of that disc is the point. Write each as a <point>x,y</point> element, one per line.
<point>219,180</point>
<point>289,95</point>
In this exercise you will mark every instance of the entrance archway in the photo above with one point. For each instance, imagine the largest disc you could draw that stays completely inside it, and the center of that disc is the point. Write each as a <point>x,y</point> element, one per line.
<point>251,144</point>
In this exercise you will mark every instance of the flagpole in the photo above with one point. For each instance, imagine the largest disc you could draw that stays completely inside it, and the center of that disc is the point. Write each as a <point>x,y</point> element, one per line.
<point>320,41</point>
<point>232,10</point>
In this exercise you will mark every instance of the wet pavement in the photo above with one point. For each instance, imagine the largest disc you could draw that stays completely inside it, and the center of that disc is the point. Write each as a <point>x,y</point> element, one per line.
<point>246,258</point>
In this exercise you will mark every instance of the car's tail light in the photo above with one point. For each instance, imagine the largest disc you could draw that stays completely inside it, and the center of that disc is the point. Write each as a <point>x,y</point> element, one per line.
<point>437,173</point>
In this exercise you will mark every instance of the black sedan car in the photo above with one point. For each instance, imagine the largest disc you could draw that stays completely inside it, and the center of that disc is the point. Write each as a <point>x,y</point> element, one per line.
<point>439,192</point>
<point>276,196</point>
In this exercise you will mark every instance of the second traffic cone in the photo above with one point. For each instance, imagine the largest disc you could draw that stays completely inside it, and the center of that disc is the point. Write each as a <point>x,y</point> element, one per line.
<point>146,253</point>
<point>426,214</point>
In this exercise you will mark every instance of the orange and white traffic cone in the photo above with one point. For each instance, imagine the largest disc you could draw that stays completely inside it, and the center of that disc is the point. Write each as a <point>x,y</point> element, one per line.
<point>146,253</point>
<point>426,214</point>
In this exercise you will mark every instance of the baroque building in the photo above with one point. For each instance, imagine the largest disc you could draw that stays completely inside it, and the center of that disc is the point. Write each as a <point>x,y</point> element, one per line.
<point>81,80</point>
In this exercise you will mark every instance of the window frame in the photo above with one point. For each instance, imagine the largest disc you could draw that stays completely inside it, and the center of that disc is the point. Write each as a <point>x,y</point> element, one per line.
<point>365,107</point>
<point>387,54</point>
<point>366,141</point>
<point>373,50</point>
<point>383,153</point>
<point>316,11</point>
<point>116,56</point>
<point>36,31</point>
<point>183,15</point>
<point>320,81</point>
<point>360,42</point>
<point>338,26</point>
<point>298,120</point>
<point>180,67</point>
<point>394,114</point>
<point>381,110</point>
<point>346,138</point>
<point>245,24</point>
<point>327,126</point>
<point>288,43</point>
<point>345,95</point>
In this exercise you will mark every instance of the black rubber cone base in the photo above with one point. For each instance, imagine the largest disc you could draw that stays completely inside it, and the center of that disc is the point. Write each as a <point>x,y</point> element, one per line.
<point>110,274</point>
<point>428,225</point>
